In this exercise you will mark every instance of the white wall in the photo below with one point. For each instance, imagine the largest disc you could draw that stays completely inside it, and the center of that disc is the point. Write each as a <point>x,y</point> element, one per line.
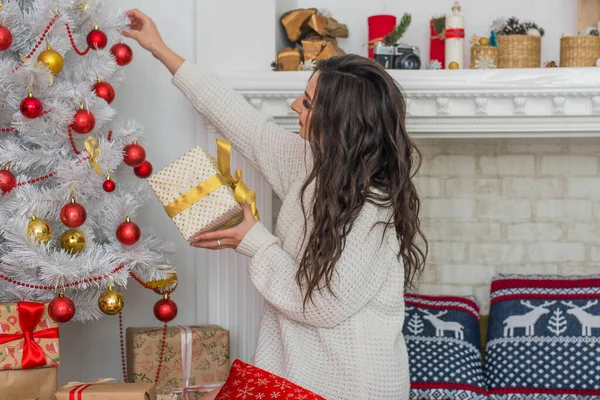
<point>555,16</point>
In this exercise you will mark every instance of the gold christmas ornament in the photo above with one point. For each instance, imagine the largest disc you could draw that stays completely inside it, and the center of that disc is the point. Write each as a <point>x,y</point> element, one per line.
<point>484,41</point>
<point>111,302</point>
<point>164,286</point>
<point>39,230</point>
<point>453,65</point>
<point>52,59</point>
<point>73,241</point>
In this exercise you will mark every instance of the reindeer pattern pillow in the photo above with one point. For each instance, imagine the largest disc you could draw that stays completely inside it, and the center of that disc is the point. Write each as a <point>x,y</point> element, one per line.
<point>444,347</point>
<point>544,338</point>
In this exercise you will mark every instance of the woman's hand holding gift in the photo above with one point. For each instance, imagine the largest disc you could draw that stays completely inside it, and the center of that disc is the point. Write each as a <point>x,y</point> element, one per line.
<point>227,238</point>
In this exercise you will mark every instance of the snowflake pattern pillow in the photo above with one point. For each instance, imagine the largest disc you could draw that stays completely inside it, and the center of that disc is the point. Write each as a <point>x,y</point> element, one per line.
<point>444,348</point>
<point>248,382</point>
<point>544,338</point>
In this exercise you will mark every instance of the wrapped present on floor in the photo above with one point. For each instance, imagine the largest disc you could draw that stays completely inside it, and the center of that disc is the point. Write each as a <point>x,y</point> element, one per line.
<point>195,361</point>
<point>250,382</point>
<point>104,389</point>
<point>28,337</point>
<point>28,384</point>
<point>200,194</point>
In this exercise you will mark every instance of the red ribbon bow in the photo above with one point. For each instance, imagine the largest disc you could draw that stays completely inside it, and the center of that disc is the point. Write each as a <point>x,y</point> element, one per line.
<point>30,314</point>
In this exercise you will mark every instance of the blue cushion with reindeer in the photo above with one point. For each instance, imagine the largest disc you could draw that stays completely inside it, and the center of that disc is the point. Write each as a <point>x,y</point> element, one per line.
<point>444,347</point>
<point>544,338</point>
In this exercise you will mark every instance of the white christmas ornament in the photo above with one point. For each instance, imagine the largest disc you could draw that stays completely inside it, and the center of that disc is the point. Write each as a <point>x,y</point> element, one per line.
<point>533,32</point>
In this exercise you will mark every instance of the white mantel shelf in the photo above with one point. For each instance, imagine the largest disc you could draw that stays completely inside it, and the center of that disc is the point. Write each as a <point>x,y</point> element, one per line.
<point>542,102</point>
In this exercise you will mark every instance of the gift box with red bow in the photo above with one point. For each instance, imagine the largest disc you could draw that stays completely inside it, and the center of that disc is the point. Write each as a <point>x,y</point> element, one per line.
<point>28,337</point>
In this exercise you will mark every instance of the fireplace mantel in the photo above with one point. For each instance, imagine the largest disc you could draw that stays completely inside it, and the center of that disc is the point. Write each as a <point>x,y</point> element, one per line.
<point>496,103</point>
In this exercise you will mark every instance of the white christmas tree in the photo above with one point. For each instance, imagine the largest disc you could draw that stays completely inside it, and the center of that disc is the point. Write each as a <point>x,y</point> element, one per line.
<point>68,205</point>
<point>557,323</point>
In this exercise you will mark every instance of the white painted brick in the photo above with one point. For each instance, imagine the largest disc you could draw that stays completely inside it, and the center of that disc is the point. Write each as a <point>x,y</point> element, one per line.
<point>535,146</point>
<point>447,252</point>
<point>584,232</point>
<point>428,187</point>
<point>448,165</point>
<point>596,207</point>
<point>445,230</point>
<point>504,209</point>
<point>583,146</point>
<point>578,269</point>
<point>476,187</point>
<point>532,187</point>
<point>584,187</point>
<point>496,253</point>
<point>533,231</point>
<point>595,255</point>
<point>569,165</point>
<point>466,274</point>
<point>483,296</point>
<point>507,165</point>
<point>446,290</point>
<point>556,252</point>
<point>430,273</point>
<point>553,209</point>
<point>448,208</point>
<point>529,269</point>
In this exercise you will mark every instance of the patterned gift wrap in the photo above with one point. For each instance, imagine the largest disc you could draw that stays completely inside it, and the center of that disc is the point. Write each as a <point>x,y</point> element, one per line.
<point>443,340</point>
<point>28,337</point>
<point>200,194</point>
<point>544,338</point>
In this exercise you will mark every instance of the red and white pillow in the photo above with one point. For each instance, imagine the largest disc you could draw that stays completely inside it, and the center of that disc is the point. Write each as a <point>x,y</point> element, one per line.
<point>248,382</point>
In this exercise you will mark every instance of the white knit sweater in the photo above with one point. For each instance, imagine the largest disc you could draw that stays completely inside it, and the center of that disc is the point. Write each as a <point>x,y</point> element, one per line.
<point>344,347</point>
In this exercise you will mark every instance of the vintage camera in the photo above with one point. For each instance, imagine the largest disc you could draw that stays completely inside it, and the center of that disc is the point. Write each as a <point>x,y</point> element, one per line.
<point>398,56</point>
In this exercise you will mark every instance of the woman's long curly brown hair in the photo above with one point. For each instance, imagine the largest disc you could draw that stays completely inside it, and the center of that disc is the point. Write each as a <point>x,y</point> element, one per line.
<point>359,143</point>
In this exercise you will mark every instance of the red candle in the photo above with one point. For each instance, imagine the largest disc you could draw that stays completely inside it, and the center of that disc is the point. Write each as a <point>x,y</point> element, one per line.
<point>379,26</point>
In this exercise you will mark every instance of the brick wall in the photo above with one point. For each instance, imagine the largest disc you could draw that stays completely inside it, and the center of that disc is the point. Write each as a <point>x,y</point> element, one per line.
<point>507,206</point>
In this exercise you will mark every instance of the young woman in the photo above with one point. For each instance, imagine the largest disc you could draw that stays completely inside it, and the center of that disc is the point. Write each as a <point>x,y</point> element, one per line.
<point>345,248</point>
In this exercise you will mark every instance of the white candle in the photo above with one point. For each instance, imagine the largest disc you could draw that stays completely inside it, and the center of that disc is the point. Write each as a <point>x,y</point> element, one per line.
<point>455,38</point>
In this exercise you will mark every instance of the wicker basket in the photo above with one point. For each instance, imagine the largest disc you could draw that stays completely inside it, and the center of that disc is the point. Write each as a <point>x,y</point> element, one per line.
<point>483,51</point>
<point>519,51</point>
<point>579,51</point>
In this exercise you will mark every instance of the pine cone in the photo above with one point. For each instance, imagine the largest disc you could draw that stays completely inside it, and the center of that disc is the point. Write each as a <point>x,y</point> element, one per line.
<point>595,32</point>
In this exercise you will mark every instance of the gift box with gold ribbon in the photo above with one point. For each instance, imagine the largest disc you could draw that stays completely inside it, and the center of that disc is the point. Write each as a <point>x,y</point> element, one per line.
<point>200,194</point>
<point>28,337</point>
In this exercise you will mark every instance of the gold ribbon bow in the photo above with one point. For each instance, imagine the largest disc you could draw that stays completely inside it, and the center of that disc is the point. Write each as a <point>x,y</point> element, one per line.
<point>224,178</point>
<point>91,146</point>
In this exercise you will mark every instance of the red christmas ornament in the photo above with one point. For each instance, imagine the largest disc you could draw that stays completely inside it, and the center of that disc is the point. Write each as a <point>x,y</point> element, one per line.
<point>165,310</point>
<point>144,170</point>
<point>109,185</point>
<point>105,91</point>
<point>128,233</point>
<point>31,107</point>
<point>97,39</point>
<point>73,214</point>
<point>7,181</point>
<point>61,309</point>
<point>84,121</point>
<point>122,53</point>
<point>5,38</point>
<point>135,155</point>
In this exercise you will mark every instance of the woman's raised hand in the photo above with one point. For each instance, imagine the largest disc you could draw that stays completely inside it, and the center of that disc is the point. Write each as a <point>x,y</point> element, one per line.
<point>144,31</point>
